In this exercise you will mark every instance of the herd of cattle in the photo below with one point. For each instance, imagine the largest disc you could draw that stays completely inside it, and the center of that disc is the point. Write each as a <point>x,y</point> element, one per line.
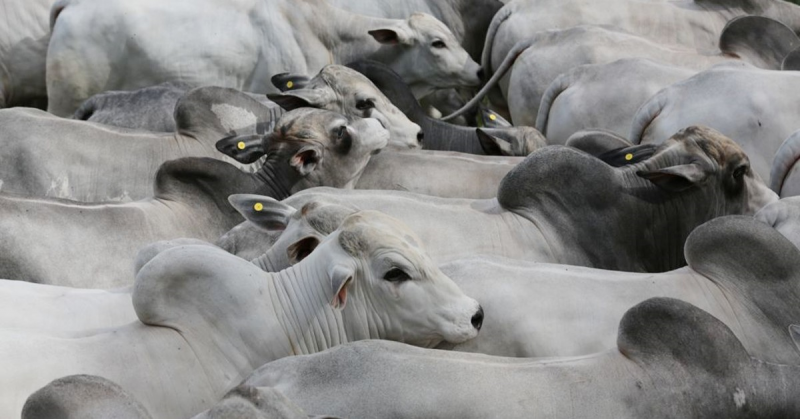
<point>280,208</point>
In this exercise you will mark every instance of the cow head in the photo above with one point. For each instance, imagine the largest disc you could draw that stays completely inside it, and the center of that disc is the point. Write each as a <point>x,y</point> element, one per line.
<point>321,148</point>
<point>346,91</point>
<point>704,158</point>
<point>424,52</point>
<point>376,265</point>
<point>301,230</point>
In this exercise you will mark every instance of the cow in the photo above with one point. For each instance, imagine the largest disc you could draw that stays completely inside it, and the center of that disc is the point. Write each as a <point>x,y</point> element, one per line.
<point>601,96</point>
<point>46,156</point>
<point>784,216</point>
<point>556,205</point>
<point>83,396</point>
<point>209,318</point>
<point>150,108</point>
<point>24,37</point>
<point>752,106</point>
<point>535,62</point>
<point>671,360</point>
<point>740,270</point>
<point>784,177</point>
<point>264,37</point>
<point>189,200</point>
<point>692,25</point>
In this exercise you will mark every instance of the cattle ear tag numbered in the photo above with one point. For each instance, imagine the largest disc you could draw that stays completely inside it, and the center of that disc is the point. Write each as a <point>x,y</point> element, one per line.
<point>258,206</point>
<point>289,84</point>
<point>241,145</point>
<point>629,157</point>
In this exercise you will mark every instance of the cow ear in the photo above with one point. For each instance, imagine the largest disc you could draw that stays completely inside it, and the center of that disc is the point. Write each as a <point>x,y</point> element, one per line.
<point>302,98</point>
<point>628,155</point>
<point>398,34</point>
<point>597,142</point>
<point>675,178</point>
<point>759,40</point>
<point>287,81</point>
<point>298,250</point>
<point>493,145</point>
<point>242,148</point>
<point>341,277</point>
<point>491,119</point>
<point>306,159</point>
<point>794,332</point>
<point>263,211</point>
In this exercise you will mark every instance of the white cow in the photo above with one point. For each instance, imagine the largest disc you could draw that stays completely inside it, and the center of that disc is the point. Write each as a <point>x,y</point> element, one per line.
<point>754,107</point>
<point>24,36</point>
<point>208,318</point>
<point>235,44</point>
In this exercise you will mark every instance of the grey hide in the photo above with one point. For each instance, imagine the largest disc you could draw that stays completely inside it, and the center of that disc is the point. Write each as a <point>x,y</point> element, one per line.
<point>671,360</point>
<point>754,107</point>
<point>209,318</point>
<point>89,245</point>
<point>784,178</point>
<point>150,108</point>
<point>740,270</point>
<point>602,96</point>
<point>695,25</point>
<point>83,397</point>
<point>42,155</point>
<point>246,402</point>
<point>784,216</point>
<point>559,203</point>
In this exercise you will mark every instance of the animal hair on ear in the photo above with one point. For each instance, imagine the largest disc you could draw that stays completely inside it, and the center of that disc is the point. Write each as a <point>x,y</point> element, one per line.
<point>628,155</point>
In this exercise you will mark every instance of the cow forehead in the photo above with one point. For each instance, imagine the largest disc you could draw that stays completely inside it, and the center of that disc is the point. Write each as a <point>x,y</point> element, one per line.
<point>344,81</point>
<point>712,143</point>
<point>305,123</point>
<point>367,231</point>
<point>427,24</point>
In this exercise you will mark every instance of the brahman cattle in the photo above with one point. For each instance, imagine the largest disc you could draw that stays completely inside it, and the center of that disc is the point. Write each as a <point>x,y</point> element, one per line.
<point>672,360</point>
<point>740,270</point>
<point>91,245</point>
<point>209,318</point>
<point>46,156</point>
<point>263,37</point>
<point>754,107</point>
<point>557,204</point>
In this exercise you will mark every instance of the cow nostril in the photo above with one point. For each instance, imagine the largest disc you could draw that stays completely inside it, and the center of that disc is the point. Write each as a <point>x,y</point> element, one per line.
<point>420,137</point>
<point>477,319</point>
<point>480,74</point>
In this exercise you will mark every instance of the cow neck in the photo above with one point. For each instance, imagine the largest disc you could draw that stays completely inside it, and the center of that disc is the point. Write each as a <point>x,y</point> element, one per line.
<point>300,297</point>
<point>276,177</point>
<point>346,34</point>
<point>269,261</point>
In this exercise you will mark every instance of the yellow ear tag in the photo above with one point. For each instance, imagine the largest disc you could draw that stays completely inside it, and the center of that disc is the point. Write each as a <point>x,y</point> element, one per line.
<point>240,145</point>
<point>492,116</point>
<point>258,206</point>
<point>289,84</point>
<point>629,157</point>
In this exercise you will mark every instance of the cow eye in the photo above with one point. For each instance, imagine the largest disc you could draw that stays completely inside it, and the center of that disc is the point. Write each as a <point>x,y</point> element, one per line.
<point>439,44</point>
<point>396,275</point>
<point>364,104</point>
<point>342,132</point>
<point>739,172</point>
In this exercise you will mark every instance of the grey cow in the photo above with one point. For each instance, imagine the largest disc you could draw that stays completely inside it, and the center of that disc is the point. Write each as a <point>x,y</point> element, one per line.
<point>671,360</point>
